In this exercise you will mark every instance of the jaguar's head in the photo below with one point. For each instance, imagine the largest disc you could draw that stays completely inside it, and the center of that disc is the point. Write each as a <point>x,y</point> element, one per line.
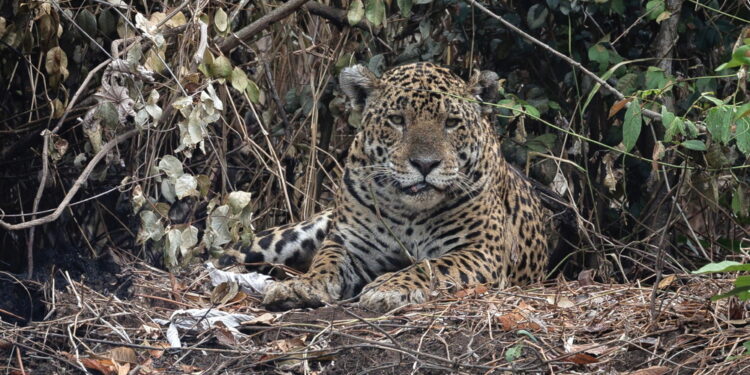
<point>422,130</point>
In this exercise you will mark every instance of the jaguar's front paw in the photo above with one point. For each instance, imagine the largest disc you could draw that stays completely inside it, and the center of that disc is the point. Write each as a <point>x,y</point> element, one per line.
<point>385,295</point>
<point>300,292</point>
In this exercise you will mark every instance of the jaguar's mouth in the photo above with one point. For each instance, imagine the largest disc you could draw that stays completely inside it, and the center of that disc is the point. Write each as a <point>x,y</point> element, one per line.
<point>418,188</point>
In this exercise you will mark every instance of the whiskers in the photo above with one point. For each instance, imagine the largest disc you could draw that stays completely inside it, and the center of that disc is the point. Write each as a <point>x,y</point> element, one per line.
<point>464,184</point>
<point>375,171</point>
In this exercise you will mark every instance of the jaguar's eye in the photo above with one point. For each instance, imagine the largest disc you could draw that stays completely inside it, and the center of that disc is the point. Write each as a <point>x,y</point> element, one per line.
<point>452,123</point>
<point>396,120</point>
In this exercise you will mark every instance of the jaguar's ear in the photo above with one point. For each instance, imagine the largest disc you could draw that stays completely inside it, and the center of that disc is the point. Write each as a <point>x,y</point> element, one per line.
<point>484,85</point>
<point>358,83</point>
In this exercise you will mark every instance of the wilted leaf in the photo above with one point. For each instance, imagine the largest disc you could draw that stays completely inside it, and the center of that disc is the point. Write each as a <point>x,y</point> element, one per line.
<point>57,62</point>
<point>220,21</point>
<point>189,238</point>
<point>667,281</point>
<point>375,12</point>
<point>404,6</point>
<point>221,67</point>
<point>123,354</point>
<point>217,228</point>
<point>171,166</point>
<point>151,107</point>
<point>151,227</point>
<point>631,127</point>
<point>663,16</point>
<point>356,12</point>
<point>238,200</point>
<point>167,190</point>
<point>224,292</point>
<point>718,123</point>
<point>186,185</point>
<point>654,370</point>
<point>581,359</point>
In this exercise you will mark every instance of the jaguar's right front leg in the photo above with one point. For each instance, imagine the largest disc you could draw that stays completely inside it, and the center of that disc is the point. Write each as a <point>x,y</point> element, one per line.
<point>331,276</point>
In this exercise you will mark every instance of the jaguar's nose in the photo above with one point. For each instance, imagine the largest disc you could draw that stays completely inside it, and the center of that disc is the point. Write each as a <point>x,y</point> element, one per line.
<point>425,165</point>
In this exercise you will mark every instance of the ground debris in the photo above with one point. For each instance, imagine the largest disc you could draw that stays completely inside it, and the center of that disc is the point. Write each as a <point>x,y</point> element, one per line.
<point>568,327</point>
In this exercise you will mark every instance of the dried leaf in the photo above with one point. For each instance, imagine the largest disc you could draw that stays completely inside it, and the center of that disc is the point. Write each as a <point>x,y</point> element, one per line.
<point>618,106</point>
<point>667,281</point>
<point>581,359</point>
<point>224,292</point>
<point>123,354</point>
<point>223,335</point>
<point>654,370</point>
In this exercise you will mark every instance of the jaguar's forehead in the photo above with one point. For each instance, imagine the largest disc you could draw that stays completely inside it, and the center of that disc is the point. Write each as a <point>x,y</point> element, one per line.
<point>423,76</point>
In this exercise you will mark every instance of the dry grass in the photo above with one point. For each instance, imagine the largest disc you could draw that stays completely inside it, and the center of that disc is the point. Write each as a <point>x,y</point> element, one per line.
<point>563,328</point>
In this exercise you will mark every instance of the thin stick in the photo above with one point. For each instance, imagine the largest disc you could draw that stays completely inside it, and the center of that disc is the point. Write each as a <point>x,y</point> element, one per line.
<point>76,186</point>
<point>246,33</point>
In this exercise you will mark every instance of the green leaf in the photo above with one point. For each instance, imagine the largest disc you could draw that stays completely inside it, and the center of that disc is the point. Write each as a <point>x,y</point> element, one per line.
<point>654,8</point>
<point>655,78</point>
<point>667,118</point>
<point>741,56</point>
<point>356,12</point>
<point>694,144</point>
<point>617,6</point>
<point>743,135</point>
<point>724,266</point>
<point>87,22</point>
<point>239,79</point>
<point>743,280</point>
<point>253,92</point>
<point>631,127</point>
<point>375,12</point>
<point>514,352</point>
<point>599,54</point>
<point>742,292</point>
<point>221,67</point>
<point>719,122</point>
<point>405,7</point>
<point>717,102</point>
<point>536,16</point>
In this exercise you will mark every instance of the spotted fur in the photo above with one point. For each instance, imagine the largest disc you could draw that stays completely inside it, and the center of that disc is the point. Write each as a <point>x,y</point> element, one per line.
<point>427,202</point>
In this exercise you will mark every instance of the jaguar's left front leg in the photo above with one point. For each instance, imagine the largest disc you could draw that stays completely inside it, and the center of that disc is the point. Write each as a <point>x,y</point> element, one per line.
<point>413,285</point>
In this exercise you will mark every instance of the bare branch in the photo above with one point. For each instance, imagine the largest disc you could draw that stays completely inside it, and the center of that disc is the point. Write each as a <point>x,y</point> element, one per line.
<point>337,16</point>
<point>246,33</point>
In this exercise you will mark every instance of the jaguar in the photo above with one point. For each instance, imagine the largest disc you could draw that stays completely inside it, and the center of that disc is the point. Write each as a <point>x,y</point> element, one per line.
<point>426,202</point>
